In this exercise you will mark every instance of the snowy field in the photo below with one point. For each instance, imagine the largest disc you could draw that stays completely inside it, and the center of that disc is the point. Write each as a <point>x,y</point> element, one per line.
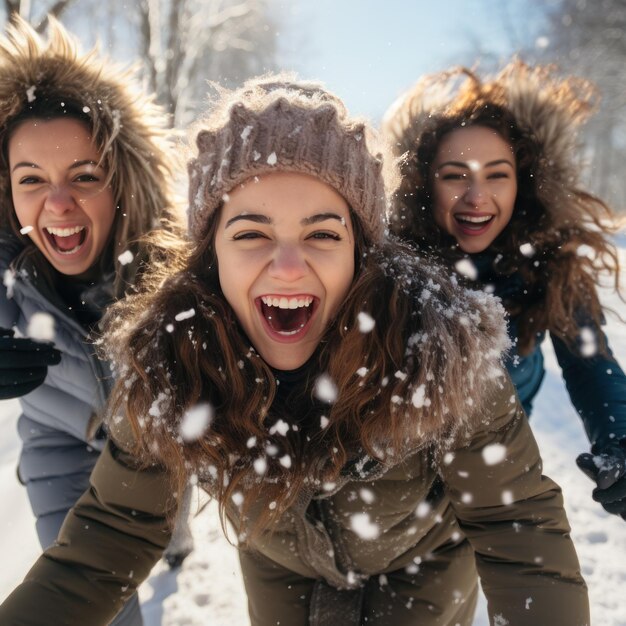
<point>208,588</point>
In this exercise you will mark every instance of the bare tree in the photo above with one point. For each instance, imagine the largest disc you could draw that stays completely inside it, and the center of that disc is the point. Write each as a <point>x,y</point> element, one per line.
<point>184,43</point>
<point>38,16</point>
<point>586,38</point>
<point>181,44</point>
<point>589,39</point>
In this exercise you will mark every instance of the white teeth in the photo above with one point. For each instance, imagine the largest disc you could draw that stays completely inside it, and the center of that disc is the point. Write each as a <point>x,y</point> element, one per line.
<point>64,232</point>
<point>287,303</point>
<point>75,249</point>
<point>474,219</point>
<point>288,333</point>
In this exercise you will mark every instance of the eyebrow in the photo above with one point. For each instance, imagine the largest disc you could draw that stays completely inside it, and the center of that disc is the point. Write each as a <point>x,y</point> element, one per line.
<point>307,221</point>
<point>73,166</point>
<point>464,165</point>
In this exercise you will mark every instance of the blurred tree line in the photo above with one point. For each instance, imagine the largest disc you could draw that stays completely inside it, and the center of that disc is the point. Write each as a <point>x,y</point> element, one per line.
<point>181,44</point>
<point>585,38</point>
<point>588,38</point>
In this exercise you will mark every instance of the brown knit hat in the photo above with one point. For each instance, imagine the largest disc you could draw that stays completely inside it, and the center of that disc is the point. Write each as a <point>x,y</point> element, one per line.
<point>274,123</point>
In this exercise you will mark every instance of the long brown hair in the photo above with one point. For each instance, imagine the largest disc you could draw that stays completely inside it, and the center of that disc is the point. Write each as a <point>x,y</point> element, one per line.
<point>404,384</point>
<point>568,228</point>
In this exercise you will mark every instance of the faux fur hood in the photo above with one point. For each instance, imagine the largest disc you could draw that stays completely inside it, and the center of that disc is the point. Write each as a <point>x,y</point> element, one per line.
<point>128,128</point>
<point>547,108</point>
<point>453,362</point>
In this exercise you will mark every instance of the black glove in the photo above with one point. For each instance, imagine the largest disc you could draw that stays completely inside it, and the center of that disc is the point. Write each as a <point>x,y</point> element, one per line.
<point>607,467</point>
<point>23,364</point>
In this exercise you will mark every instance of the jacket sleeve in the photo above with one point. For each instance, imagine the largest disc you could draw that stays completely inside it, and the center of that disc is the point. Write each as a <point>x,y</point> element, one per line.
<point>514,519</point>
<point>107,546</point>
<point>9,248</point>
<point>597,389</point>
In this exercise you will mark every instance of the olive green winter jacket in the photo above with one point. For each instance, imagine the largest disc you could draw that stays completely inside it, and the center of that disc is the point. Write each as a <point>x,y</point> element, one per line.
<point>375,523</point>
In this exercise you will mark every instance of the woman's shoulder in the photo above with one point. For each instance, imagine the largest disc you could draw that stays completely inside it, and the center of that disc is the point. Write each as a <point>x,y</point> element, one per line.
<point>456,340</point>
<point>444,303</point>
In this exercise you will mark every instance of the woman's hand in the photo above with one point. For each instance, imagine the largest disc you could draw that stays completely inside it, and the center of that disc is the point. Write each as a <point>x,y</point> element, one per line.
<point>23,364</point>
<point>607,467</point>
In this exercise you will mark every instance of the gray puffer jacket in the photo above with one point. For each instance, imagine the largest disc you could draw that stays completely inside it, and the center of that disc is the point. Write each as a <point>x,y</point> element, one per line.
<point>76,388</point>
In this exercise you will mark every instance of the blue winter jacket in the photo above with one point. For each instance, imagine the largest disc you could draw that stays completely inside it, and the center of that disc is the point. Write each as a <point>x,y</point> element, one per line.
<point>596,384</point>
<point>75,391</point>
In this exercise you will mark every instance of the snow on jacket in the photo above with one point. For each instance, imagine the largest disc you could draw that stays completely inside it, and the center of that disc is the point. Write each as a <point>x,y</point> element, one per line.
<point>74,391</point>
<point>511,514</point>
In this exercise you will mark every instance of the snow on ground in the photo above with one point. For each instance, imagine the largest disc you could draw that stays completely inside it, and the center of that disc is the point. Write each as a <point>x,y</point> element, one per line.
<point>208,588</point>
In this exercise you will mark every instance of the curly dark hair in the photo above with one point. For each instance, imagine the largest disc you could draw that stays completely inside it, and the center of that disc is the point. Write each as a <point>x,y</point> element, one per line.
<point>537,114</point>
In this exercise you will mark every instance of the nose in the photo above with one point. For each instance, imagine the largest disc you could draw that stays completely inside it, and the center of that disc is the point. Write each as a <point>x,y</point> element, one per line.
<point>476,194</point>
<point>288,263</point>
<point>59,200</point>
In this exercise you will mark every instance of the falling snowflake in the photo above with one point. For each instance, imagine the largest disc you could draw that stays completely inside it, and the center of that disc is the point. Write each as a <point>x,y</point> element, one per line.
<point>466,268</point>
<point>423,510</point>
<point>507,497</point>
<point>494,453</point>
<point>126,257</point>
<point>588,344</point>
<point>184,315</point>
<point>367,495</point>
<point>260,466</point>
<point>527,249</point>
<point>419,400</point>
<point>325,389</point>
<point>8,280</point>
<point>41,327</point>
<point>281,427</point>
<point>366,322</point>
<point>362,525</point>
<point>195,422</point>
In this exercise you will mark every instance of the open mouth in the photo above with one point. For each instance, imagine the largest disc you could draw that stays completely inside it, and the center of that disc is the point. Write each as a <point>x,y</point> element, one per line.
<point>473,222</point>
<point>66,240</point>
<point>287,316</point>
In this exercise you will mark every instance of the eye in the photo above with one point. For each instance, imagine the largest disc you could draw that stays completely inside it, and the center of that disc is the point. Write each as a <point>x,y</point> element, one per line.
<point>86,178</point>
<point>497,175</point>
<point>249,235</point>
<point>324,235</point>
<point>29,180</point>
<point>454,176</point>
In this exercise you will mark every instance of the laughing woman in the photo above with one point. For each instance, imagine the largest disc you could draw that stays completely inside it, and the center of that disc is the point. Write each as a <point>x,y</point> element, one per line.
<point>342,400</point>
<point>83,175</point>
<point>491,187</point>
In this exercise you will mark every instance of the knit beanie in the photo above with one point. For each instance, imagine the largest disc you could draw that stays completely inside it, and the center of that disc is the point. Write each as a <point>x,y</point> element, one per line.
<point>275,124</point>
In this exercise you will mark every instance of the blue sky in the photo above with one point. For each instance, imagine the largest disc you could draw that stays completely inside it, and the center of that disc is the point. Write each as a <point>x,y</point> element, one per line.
<point>369,51</point>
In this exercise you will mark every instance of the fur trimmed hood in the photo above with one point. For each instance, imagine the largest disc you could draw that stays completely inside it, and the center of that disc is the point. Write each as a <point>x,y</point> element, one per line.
<point>128,128</point>
<point>453,362</point>
<point>547,109</point>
